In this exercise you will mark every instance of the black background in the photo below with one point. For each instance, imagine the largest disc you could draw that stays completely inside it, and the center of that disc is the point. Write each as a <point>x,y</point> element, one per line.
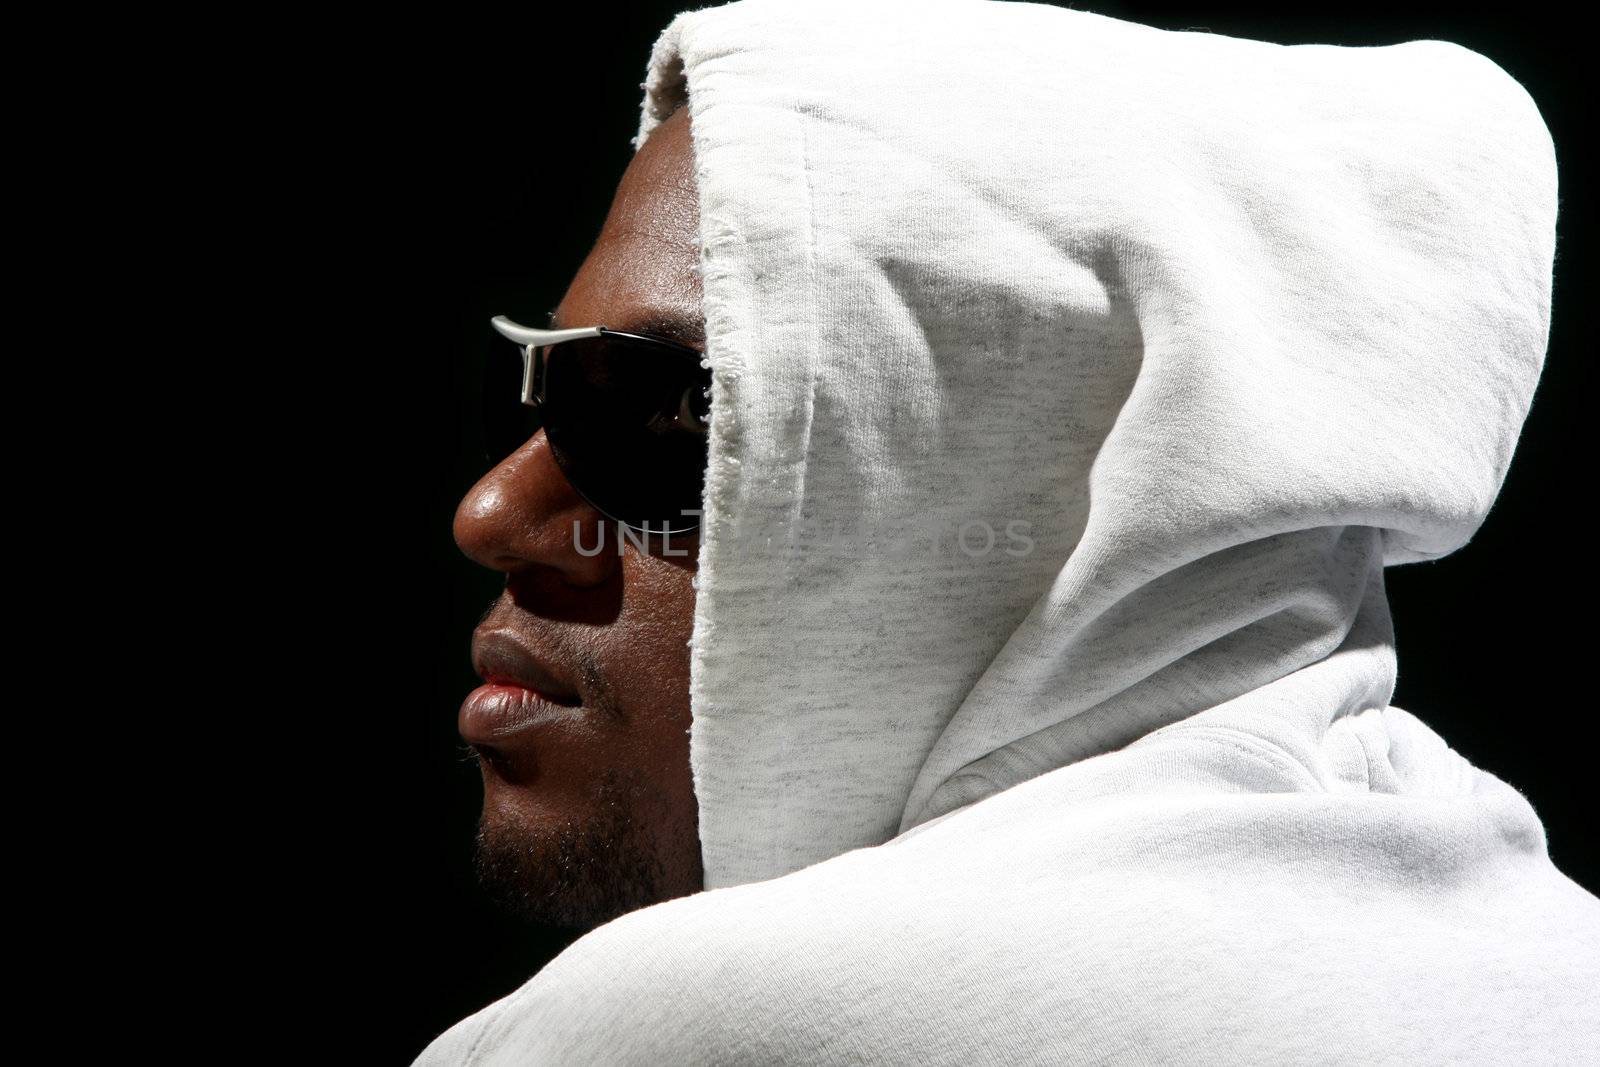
<point>461,169</point>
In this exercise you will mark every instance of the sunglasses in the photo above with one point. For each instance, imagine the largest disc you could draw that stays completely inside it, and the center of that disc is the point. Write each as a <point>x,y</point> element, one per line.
<point>626,415</point>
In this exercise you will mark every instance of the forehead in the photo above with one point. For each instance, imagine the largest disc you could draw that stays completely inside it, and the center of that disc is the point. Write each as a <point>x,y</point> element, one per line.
<point>643,269</point>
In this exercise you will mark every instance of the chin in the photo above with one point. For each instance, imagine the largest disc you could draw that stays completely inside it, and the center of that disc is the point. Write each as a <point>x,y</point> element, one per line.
<point>575,868</point>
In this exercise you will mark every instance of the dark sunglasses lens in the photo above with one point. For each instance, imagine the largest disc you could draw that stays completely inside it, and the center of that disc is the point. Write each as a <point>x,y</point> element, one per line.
<point>627,421</point>
<point>508,424</point>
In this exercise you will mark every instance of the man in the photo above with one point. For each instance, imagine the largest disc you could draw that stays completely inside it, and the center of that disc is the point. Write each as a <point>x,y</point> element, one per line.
<point>588,817</point>
<point>1023,693</point>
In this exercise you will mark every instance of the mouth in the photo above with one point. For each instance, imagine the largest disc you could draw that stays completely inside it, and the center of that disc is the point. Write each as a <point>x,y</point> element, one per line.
<point>521,689</point>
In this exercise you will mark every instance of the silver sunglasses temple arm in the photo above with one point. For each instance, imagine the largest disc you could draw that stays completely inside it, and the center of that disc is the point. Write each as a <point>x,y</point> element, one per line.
<point>527,335</point>
<point>531,341</point>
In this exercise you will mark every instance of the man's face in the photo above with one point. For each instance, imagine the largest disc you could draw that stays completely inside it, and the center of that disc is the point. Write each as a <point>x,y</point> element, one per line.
<point>582,736</point>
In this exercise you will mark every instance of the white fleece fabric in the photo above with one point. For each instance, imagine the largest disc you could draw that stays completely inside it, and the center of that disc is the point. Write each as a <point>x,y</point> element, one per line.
<point>1075,381</point>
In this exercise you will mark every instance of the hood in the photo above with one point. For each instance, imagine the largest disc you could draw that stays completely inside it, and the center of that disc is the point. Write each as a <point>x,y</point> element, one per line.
<point>1073,378</point>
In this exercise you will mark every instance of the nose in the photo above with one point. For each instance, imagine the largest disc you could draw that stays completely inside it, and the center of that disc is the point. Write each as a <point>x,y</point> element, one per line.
<point>525,515</point>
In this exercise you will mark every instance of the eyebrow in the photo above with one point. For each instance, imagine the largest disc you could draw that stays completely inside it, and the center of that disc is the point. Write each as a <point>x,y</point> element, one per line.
<point>666,324</point>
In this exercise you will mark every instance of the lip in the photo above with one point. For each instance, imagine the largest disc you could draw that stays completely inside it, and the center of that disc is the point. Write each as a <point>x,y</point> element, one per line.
<point>520,690</point>
<point>501,659</point>
<point>492,714</point>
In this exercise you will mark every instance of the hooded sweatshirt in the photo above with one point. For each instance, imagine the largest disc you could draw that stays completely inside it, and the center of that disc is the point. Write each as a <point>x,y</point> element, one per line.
<point>1074,383</point>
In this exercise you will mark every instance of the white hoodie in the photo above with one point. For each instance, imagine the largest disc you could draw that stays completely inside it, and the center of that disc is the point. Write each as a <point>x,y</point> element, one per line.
<point>1074,383</point>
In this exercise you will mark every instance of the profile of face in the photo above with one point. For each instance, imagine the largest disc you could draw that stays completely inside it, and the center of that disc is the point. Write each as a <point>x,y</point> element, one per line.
<point>581,730</point>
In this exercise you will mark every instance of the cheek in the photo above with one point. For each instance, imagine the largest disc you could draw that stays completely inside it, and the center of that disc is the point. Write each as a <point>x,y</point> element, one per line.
<point>646,654</point>
<point>658,604</point>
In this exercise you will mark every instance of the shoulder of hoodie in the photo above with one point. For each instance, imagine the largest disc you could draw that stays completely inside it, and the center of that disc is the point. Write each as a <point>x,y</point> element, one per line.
<point>829,962</point>
<point>723,976</point>
<point>809,966</point>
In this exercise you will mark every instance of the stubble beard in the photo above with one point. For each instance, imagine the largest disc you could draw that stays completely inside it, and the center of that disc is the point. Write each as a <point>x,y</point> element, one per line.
<point>583,873</point>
